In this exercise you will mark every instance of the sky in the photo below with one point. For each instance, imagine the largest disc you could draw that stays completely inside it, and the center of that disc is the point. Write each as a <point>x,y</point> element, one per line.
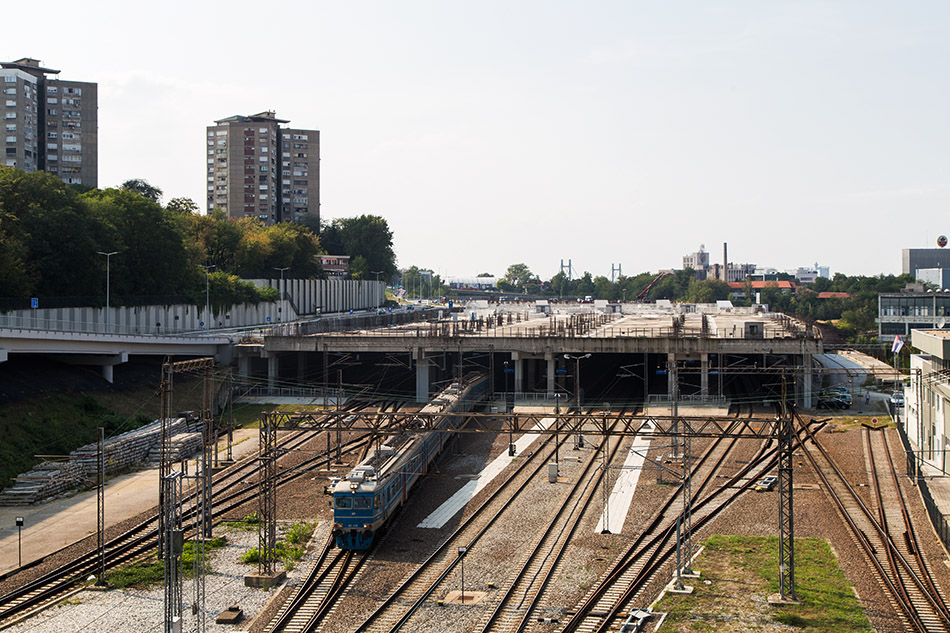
<point>609,133</point>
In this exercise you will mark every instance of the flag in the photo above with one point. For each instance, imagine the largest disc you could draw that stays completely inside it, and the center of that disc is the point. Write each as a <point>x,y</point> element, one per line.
<point>898,344</point>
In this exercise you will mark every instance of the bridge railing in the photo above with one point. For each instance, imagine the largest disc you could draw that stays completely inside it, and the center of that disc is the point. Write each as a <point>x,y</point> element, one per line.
<point>80,327</point>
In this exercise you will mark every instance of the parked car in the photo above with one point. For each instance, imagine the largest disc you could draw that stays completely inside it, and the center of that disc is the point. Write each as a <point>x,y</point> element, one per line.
<point>834,401</point>
<point>766,484</point>
<point>897,398</point>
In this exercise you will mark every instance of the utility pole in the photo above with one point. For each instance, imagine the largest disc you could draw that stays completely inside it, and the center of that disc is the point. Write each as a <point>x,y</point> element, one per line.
<point>578,439</point>
<point>101,509</point>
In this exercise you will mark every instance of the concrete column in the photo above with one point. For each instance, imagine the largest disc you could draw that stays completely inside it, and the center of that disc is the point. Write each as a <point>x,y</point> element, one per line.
<point>422,379</point>
<point>670,373</point>
<point>704,375</point>
<point>519,375</point>
<point>646,377</point>
<point>807,400</point>
<point>301,366</point>
<point>244,365</point>
<point>4,356</point>
<point>271,372</point>
<point>551,364</point>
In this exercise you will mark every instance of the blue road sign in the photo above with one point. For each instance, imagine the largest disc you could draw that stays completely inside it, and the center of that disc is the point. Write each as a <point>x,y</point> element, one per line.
<point>509,371</point>
<point>34,303</point>
<point>660,372</point>
<point>560,371</point>
<point>268,319</point>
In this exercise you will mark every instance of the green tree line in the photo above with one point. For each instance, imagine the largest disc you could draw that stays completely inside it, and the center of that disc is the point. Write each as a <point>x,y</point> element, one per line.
<point>52,237</point>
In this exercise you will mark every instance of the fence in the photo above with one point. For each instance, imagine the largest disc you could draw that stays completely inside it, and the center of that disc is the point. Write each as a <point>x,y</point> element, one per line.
<point>937,519</point>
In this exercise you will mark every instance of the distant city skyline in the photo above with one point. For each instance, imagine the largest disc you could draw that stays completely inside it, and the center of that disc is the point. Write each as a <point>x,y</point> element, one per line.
<point>490,134</point>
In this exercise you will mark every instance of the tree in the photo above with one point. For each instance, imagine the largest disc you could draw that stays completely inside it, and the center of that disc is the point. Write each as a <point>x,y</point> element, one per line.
<point>367,236</point>
<point>518,275</point>
<point>142,187</point>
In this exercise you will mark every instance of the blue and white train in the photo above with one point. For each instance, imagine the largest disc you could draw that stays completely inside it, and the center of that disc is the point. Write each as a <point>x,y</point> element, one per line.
<point>369,495</point>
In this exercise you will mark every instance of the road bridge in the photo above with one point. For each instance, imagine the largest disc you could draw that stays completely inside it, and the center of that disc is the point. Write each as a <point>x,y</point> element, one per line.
<point>656,351</point>
<point>109,350</point>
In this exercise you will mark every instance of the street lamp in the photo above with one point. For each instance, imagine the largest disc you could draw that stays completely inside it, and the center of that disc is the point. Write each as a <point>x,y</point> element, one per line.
<point>557,419</point>
<point>462,551</point>
<point>577,388</point>
<point>108,274</point>
<point>207,268</point>
<point>509,408</point>
<point>19,541</point>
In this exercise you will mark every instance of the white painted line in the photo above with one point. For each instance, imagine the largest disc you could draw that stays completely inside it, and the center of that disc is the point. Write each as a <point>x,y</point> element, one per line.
<point>618,504</point>
<point>441,515</point>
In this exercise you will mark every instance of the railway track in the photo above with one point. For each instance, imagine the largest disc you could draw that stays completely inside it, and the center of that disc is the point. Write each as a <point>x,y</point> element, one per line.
<point>631,578</point>
<point>409,597</point>
<point>896,561</point>
<point>231,489</point>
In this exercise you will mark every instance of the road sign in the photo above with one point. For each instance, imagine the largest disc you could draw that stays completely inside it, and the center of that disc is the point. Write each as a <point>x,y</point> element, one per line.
<point>509,371</point>
<point>560,371</point>
<point>34,303</point>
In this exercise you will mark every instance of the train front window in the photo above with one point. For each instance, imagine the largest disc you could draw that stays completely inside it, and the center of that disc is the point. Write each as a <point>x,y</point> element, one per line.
<point>344,503</point>
<point>361,503</point>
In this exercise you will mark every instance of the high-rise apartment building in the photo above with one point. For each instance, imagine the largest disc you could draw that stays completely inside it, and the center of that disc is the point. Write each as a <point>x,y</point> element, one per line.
<point>256,168</point>
<point>50,124</point>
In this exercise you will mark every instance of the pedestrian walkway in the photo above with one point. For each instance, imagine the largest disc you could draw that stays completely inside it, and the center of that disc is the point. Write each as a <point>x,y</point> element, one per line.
<point>50,526</point>
<point>618,503</point>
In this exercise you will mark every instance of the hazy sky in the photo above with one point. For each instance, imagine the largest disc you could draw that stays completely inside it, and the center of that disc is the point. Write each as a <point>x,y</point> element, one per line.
<point>489,133</point>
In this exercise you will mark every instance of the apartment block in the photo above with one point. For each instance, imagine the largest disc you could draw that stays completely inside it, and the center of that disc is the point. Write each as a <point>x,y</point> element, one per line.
<point>257,168</point>
<point>50,124</point>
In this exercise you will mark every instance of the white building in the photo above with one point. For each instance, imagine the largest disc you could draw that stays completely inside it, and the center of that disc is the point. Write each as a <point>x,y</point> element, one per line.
<point>928,396</point>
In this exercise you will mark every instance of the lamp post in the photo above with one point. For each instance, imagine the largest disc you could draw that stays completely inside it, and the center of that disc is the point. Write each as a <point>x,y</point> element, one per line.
<point>509,408</point>
<point>19,541</point>
<point>557,419</point>
<point>577,389</point>
<point>377,273</point>
<point>462,551</point>
<point>208,268</point>
<point>108,275</point>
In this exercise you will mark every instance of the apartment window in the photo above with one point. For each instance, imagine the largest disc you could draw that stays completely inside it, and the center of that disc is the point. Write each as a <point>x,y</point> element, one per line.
<point>210,133</point>
<point>285,155</point>
<point>9,91</point>
<point>72,158</point>
<point>9,115</point>
<point>52,157</point>
<point>301,155</point>
<point>53,146</point>
<point>11,139</point>
<point>301,137</point>
<point>263,187</point>
<point>51,112</point>
<point>263,167</point>
<point>72,147</point>
<point>287,136</point>
<point>210,161</point>
<point>52,135</point>
<point>263,150</point>
<point>9,79</point>
<point>221,132</point>
<point>51,100</point>
<point>262,130</point>
<point>73,91</point>
<point>263,159</point>
<point>222,141</point>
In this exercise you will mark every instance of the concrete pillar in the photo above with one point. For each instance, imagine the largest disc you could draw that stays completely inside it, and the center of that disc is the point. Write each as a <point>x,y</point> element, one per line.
<point>244,365</point>
<point>551,365</point>
<point>272,372</point>
<point>4,356</point>
<point>670,373</point>
<point>704,375</point>
<point>807,400</point>
<point>107,373</point>
<point>422,379</point>
<point>646,377</point>
<point>519,375</point>
<point>301,366</point>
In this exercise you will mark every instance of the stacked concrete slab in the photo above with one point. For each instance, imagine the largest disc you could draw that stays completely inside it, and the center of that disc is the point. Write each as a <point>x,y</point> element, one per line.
<point>123,452</point>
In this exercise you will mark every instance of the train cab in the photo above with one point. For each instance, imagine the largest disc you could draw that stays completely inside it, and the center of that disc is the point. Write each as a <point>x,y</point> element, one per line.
<point>355,510</point>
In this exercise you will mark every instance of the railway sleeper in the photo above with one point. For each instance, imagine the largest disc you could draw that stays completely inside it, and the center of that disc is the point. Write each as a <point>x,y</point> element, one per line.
<point>909,542</point>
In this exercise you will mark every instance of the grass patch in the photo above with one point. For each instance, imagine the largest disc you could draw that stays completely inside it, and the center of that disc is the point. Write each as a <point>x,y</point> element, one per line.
<point>151,571</point>
<point>289,549</point>
<point>247,524</point>
<point>743,573</point>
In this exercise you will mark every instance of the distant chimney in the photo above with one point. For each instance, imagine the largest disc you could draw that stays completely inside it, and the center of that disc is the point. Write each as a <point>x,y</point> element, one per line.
<point>725,262</point>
